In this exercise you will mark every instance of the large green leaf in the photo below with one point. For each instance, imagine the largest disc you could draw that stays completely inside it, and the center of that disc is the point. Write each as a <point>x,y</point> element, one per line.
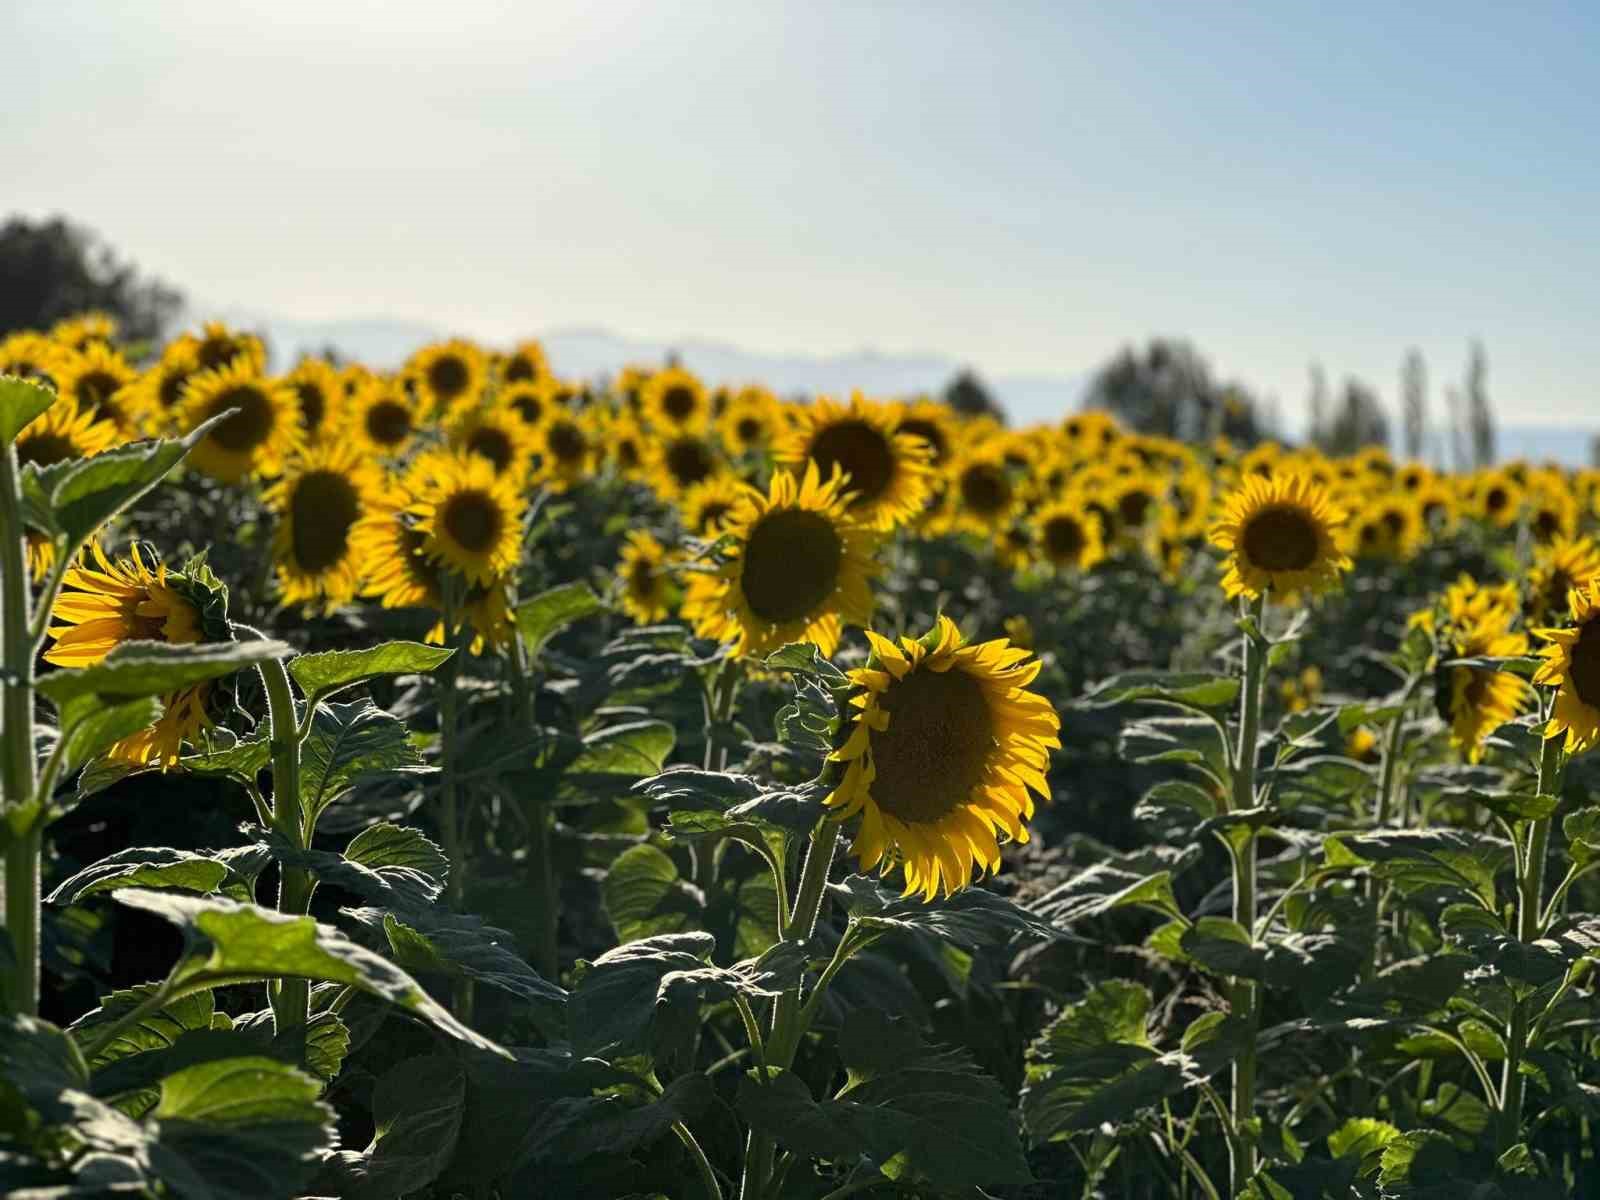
<point>348,742</point>
<point>146,867</point>
<point>230,943</point>
<point>137,669</point>
<point>613,1006</point>
<point>973,916</point>
<point>545,615</point>
<point>1137,880</point>
<point>417,1107</point>
<point>1418,859</point>
<point>89,726</point>
<point>462,945</point>
<point>644,896</point>
<point>21,400</point>
<point>155,1030</point>
<point>320,675</point>
<point>1184,689</point>
<point>621,754</point>
<point>386,845</point>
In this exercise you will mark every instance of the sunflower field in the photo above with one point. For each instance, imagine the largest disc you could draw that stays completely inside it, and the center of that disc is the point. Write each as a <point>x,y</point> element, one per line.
<point>465,782</point>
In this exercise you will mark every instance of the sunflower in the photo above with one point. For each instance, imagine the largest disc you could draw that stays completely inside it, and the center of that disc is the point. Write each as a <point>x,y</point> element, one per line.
<point>749,422</point>
<point>1090,433</point>
<point>1361,744</point>
<point>567,449</point>
<point>321,498</point>
<point>525,364</point>
<point>1391,528</point>
<point>156,397</point>
<point>645,587</point>
<point>1496,497</point>
<point>29,355</point>
<point>942,755</point>
<point>624,443</point>
<point>317,387</point>
<point>255,439</point>
<point>1137,499</point>
<point>1476,701</point>
<point>529,402</point>
<point>1279,533</point>
<point>1572,665</point>
<point>84,330</point>
<point>889,476</point>
<point>706,507</point>
<point>1191,500</point>
<point>982,497</point>
<point>95,378</point>
<point>1440,505</point>
<point>934,423</point>
<point>61,432</point>
<point>1552,509</point>
<point>447,373</point>
<point>218,346</point>
<point>674,402</point>
<point>800,567</point>
<point>383,419</point>
<point>1557,568</point>
<point>497,435</point>
<point>681,461</point>
<point>470,518</point>
<point>1066,535</point>
<point>107,603</point>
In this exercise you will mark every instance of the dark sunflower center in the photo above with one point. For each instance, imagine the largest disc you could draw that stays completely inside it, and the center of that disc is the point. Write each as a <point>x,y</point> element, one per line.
<point>678,402</point>
<point>1433,510</point>
<point>1370,534</point>
<point>749,430</point>
<point>861,450</point>
<point>1496,499</point>
<point>448,377</point>
<point>521,369</point>
<point>642,579</point>
<point>1546,525</point>
<point>566,441</point>
<point>44,449</point>
<point>1555,592</point>
<point>388,422</point>
<point>791,564</point>
<point>217,352</point>
<point>985,489</point>
<point>688,461</point>
<point>95,388</point>
<point>419,566</point>
<point>313,405</point>
<point>1585,669</point>
<point>628,454</point>
<point>711,516</point>
<point>171,390</point>
<point>528,408</point>
<point>247,428</point>
<point>1280,539</point>
<point>322,510</point>
<point>492,444</point>
<point>937,747</point>
<point>1063,538</point>
<point>1394,522</point>
<point>473,521</point>
<point>1132,506</point>
<point>928,432</point>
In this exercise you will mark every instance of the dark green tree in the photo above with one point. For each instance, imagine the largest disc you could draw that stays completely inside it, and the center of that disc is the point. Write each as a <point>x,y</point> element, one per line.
<point>1168,389</point>
<point>1480,416</point>
<point>52,269</point>
<point>1414,402</point>
<point>1358,420</point>
<point>967,394</point>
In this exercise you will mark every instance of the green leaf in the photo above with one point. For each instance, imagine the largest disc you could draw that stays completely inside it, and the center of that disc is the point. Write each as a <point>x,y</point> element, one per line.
<point>804,658</point>
<point>41,1064</point>
<point>973,916</point>
<point>229,943</point>
<point>21,401</point>
<point>145,866</point>
<point>634,750</point>
<point>703,802</point>
<point>1512,806</point>
<point>321,675</point>
<point>1362,1137</point>
<point>1582,831</point>
<point>1314,965</point>
<point>613,1006</point>
<point>1417,859</point>
<point>349,742</point>
<point>1107,886</point>
<point>89,726</point>
<point>545,615</point>
<point>240,1129</point>
<point>644,896</point>
<point>461,945</point>
<point>136,669</point>
<point>417,1108</point>
<point>386,845</point>
<point>1196,690</point>
<point>156,1030</point>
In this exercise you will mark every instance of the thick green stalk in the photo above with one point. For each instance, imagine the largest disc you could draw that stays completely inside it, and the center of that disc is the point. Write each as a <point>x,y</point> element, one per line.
<point>450,807</point>
<point>541,818</point>
<point>721,701</point>
<point>1244,995</point>
<point>1530,897</point>
<point>17,772</point>
<point>1388,781</point>
<point>787,1024</point>
<point>290,997</point>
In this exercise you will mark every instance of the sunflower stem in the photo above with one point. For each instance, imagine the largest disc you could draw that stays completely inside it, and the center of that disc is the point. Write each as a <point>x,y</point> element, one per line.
<point>1388,780</point>
<point>541,872</point>
<point>450,806</point>
<point>1530,897</point>
<point>1244,996</point>
<point>721,701</point>
<point>290,998</point>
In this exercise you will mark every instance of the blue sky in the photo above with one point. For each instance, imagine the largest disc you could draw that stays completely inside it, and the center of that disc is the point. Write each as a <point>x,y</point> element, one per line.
<point>1025,187</point>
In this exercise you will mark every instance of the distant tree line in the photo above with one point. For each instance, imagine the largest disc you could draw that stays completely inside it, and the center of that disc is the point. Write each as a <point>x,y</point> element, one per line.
<point>53,268</point>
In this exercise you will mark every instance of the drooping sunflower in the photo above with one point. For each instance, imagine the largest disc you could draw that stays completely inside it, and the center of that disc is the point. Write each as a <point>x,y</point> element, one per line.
<point>319,501</point>
<point>1066,535</point>
<point>526,364</point>
<point>568,450</point>
<point>257,438</point>
<point>1476,701</point>
<point>681,461</point>
<point>1557,568</point>
<point>105,604</point>
<point>95,377</point>
<point>498,435</point>
<point>447,373</point>
<point>1572,665</point>
<point>321,395</point>
<point>1279,533</point>
<point>943,756</point>
<point>890,478</point>
<point>674,402</point>
<point>383,418</point>
<point>644,586</point>
<point>800,568</point>
<point>706,507</point>
<point>749,422</point>
<point>470,518</point>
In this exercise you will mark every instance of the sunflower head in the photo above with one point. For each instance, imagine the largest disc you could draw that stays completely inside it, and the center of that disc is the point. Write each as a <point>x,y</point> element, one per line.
<point>644,586</point>
<point>1572,666</point>
<point>1066,535</point>
<point>568,448</point>
<point>935,423</point>
<point>319,502</point>
<point>262,431</point>
<point>706,508</point>
<point>447,374</point>
<point>942,755</point>
<point>749,421</point>
<point>95,378</point>
<point>1475,701</point>
<point>1496,497</point>
<point>217,346</point>
<point>799,567</point>
<point>526,364</point>
<point>1557,568</point>
<point>529,402</point>
<point>682,460</point>
<point>84,330</point>
<point>469,517</point>
<point>321,397</point>
<point>496,435</point>
<point>889,476</point>
<point>64,430</point>
<point>982,495</point>
<point>1279,533</point>
<point>674,401</point>
<point>29,355</point>
<point>383,418</point>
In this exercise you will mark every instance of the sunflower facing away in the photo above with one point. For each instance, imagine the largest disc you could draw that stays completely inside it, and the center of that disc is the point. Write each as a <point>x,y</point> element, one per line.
<point>943,755</point>
<point>890,477</point>
<point>800,568</point>
<point>133,599</point>
<point>1279,533</point>
<point>645,587</point>
<point>321,498</point>
<point>1572,664</point>
<point>1475,701</point>
<point>470,518</point>
<point>256,439</point>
